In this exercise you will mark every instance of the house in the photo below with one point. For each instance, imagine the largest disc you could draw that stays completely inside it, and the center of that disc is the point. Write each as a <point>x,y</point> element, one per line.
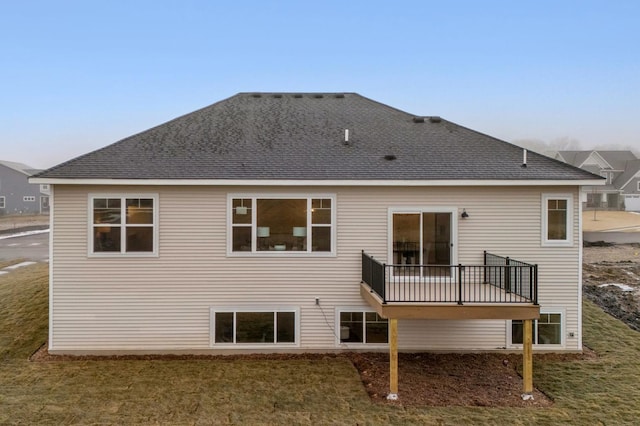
<point>17,195</point>
<point>297,222</point>
<point>621,169</point>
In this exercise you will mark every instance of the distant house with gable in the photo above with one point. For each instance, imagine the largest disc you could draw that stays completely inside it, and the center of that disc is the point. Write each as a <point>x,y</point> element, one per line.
<point>17,195</point>
<point>622,172</point>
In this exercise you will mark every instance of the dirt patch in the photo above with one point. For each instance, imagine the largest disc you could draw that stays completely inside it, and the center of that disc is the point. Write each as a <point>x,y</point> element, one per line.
<point>611,279</point>
<point>427,379</point>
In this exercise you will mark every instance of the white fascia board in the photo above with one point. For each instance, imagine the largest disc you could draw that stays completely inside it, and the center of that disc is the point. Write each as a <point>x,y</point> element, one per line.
<point>327,182</point>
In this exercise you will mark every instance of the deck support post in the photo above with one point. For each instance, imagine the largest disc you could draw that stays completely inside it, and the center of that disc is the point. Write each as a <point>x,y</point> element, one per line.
<point>393,359</point>
<point>527,360</point>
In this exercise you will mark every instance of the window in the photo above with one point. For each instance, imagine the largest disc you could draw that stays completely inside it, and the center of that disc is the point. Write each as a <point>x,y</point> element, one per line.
<point>28,198</point>
<point>44,187</point>
<point>282,224</point>
<point>546,331</point>
<point>2,202</point>
<point>123,224</point>
<point>638,186</point>
<point>363,327</point>
<point>557,214</point>
<point>254,327</point>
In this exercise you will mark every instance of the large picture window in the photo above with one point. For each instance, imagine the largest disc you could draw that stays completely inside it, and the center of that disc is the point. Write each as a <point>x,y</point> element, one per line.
<point>546,331</point>
<point>363,327</point>
<point>557,213</point>
<point>254,327</point>
<point>282,224</point>
<point>123,224</point>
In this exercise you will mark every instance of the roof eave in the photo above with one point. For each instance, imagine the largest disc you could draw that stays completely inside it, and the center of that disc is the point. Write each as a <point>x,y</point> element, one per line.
<point>320,182</point>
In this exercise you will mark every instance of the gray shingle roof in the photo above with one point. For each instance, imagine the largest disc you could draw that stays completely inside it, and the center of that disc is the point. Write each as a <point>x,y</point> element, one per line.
<point>631,169</point>
<point>20,167</point>
<point>301,137</point>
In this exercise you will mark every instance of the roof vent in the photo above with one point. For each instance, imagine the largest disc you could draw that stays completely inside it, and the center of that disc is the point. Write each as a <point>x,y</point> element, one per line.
<point>340,95</point>
<point>257,95</point>
<point>418,119</point>
<point>346,136</point>
<point>390,157</point>
<point>297,95</point>
<point>524,158</point>
<point>277,95</point>
<point>318,96</point>
<point>435,119</point>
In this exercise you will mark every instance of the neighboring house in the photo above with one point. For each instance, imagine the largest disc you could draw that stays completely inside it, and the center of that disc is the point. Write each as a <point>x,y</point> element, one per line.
<point>297,222</point>
<point>17,195</point>
<point>621,169</point>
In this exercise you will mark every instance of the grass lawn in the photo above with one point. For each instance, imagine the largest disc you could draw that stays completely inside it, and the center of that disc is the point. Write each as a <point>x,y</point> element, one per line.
<point>326,391</point>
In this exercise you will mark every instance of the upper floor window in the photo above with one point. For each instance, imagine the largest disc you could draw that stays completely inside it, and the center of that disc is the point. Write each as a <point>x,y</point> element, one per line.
<point>123,224</point>
<point>282,224</point>
<point>44,187</point>
<point>2,202</point>
<point>557,213</point>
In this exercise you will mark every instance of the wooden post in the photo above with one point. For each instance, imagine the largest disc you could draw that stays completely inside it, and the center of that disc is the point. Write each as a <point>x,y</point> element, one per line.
<point>527,360</point>
<point>393,359</point>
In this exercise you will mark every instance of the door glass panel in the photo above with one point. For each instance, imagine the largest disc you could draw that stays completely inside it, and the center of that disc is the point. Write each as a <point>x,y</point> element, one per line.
<point>436,230</point>
<point>406,239</point>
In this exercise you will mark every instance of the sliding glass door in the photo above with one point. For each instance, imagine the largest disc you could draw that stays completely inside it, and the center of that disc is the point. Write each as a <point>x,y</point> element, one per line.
<point>423,238</point>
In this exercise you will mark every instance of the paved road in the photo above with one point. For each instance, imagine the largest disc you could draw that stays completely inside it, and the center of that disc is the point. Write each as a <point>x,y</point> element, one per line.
<point>30,247</point>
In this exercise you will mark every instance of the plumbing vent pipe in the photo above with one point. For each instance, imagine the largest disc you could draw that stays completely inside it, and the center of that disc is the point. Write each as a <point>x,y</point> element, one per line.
<point>524,158</point>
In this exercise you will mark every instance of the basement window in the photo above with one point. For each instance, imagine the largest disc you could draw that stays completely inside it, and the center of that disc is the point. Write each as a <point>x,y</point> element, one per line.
<point>363,326</point>
<point>254,327</point>
<point>546,331</point>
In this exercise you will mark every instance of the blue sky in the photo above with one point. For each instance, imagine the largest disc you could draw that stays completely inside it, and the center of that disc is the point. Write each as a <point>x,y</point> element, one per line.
<point>78,75</point>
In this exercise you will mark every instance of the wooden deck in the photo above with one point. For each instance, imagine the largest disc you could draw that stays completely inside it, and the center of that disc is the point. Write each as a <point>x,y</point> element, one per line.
<point>412,303</point>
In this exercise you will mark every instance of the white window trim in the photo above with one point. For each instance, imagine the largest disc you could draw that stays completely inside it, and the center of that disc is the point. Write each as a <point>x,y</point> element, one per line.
<point>287,253</point>
<point>420,210</point>
<point>638,186</point>
<point>563,330</point>
<point>90,233</point>
<point>3,202</point>
<point>212,327</point>
<point>340,344</point>
<point>545,242</point>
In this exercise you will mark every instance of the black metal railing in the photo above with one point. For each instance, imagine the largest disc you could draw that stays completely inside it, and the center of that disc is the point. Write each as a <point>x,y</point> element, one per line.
<point>498,280</point>
<point>512,275</point>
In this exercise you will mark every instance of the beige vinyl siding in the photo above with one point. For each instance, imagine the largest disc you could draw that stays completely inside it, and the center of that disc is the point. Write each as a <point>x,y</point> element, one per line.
<point>163,303</point>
